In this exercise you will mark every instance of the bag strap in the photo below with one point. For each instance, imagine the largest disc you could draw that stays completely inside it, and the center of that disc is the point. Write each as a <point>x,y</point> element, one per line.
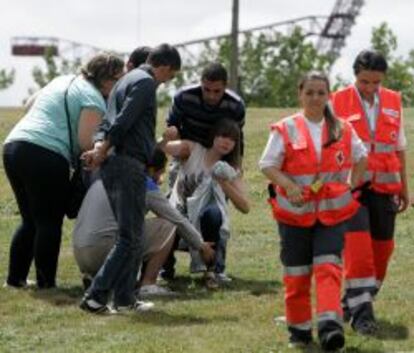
<point>74,161</point>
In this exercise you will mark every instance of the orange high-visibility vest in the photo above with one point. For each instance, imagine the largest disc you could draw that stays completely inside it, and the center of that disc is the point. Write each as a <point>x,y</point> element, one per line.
<point>383,163</point>
<point>332,202</point>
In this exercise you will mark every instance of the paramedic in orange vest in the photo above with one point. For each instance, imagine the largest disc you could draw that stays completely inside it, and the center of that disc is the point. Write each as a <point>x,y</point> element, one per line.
<point>376,115</point>
<point>309,158</point>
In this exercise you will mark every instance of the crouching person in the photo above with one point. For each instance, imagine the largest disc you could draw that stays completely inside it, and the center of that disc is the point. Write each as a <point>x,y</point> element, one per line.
<point>96,230</point>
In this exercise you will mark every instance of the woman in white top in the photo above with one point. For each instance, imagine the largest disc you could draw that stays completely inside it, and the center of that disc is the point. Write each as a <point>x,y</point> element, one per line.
<point>206,179</point>
<point>309,158</point>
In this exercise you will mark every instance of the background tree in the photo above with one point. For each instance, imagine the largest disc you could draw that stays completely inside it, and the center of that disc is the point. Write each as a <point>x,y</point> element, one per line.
<point>271,65</point>
<point>54,66</point>
<point>6,78</point>
<point>400,75</point>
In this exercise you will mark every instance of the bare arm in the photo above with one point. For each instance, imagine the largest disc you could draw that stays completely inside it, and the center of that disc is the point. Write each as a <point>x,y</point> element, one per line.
<point>178,148</point>
<point>358,171</point>
<point>404,194</point>
<point>88,123</point>
<point>235,191</point>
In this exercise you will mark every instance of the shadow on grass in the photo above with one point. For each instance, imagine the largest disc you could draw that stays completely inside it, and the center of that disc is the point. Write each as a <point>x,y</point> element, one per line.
<point>161,318</point>
<point>60,296</point>
<point>187,288</point>
<point>391,331</point>
<point>194,286</point>
<point>362,350</point>
<point>316,348</point>
<point>255,287</point>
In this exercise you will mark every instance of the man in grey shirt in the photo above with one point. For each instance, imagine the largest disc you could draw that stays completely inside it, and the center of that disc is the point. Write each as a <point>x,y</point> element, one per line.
<point>96,230</point>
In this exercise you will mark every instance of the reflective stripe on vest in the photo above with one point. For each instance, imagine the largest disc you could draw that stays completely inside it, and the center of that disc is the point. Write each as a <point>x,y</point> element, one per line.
<point>380,147</point>
<point>387,178</point>
<point>306,180</point>
<point>335,203</point>
<point>308,207</point>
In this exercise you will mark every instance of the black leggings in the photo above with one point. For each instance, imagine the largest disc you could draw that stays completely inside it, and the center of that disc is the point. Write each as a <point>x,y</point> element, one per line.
<point>40,182</point>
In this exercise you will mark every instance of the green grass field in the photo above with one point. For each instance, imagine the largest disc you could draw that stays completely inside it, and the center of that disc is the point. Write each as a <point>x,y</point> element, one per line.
<point>238,318</point>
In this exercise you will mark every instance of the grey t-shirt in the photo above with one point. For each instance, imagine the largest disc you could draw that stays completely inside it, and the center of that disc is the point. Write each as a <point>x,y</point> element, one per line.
<point>96,219</point>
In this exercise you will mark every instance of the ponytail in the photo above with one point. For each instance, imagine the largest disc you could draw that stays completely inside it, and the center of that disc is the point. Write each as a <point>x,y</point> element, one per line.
<point>333,124</point>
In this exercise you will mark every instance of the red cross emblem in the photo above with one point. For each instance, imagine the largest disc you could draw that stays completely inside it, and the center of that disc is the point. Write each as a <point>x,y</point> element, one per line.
<point>340,158</point>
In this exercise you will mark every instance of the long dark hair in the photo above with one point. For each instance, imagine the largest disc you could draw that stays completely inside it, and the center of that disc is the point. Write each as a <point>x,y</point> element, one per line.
<point>332,122</point>
<point>228,128</point>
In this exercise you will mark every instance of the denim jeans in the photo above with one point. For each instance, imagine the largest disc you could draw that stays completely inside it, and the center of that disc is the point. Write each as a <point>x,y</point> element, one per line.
<point>124,181</point>
<point>210,223</point>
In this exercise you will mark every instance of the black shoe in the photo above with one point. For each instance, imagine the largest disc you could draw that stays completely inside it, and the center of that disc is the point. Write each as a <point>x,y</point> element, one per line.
<point>300,339</point>
<point>86,281</point>
<point>347,315</point>
<point>365,327</point>
<point>92,306</point>
<point>333,340</point>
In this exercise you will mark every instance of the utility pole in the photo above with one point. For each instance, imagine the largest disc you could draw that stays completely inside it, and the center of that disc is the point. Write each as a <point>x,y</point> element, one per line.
<point>234,58</point>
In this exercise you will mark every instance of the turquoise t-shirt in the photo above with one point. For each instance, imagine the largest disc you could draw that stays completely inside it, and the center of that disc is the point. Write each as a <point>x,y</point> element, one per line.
<point>45,124</point>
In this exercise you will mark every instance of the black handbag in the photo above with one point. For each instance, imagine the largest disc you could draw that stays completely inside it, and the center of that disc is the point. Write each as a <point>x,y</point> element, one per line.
<point>77,183</point>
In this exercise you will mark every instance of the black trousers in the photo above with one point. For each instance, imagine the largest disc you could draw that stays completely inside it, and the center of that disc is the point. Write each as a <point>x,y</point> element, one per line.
<point>40,181</point>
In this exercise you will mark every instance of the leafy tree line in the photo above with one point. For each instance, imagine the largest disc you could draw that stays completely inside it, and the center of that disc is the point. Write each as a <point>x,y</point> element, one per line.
<point>270,65</point>
<point>6,78</point>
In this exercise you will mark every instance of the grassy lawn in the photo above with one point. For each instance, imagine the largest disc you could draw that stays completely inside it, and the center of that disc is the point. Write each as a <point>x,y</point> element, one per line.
<point>238,318</point>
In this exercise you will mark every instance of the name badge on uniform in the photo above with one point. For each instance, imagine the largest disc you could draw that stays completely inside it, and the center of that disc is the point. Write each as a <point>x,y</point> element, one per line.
<point>391,112</point>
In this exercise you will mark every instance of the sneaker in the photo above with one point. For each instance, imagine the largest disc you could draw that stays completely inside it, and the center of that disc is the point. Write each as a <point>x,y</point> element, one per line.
<point>347,317</point>
<point>299,342</point>
<point>211,280</point>
<point>299,338</point>
<point>86,281</point>
<point>138,306</point>
<point>155,290</point>
<point>92,306</point>
<point>21,285</point>
<point>333,341</point>
<point>167,275</point>
<point>223,278</point>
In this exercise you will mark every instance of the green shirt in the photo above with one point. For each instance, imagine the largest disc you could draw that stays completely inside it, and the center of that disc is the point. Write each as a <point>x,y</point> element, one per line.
<point>45,124</point>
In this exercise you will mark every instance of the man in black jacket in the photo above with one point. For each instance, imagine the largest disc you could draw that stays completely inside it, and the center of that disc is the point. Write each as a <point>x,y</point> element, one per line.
<point>128,131</point>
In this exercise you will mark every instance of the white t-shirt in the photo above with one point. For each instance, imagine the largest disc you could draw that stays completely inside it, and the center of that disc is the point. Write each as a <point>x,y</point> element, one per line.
<point>274,152</point>
<point>191,174</point>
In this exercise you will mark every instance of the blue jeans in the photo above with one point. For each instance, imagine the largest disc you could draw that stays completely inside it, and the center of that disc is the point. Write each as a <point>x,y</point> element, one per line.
<point>210,224</point>
<point>124,181</point>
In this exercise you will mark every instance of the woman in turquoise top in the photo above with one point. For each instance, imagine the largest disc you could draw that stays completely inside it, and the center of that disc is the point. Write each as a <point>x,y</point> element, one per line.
<point>36,158</point>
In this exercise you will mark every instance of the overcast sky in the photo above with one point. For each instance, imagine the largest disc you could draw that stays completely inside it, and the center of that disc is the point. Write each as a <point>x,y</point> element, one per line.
<point>124,24</point>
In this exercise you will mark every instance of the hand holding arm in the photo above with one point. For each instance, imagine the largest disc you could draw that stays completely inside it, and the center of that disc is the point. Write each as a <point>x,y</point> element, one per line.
<point>277,177</point>
<point>92,159</point>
